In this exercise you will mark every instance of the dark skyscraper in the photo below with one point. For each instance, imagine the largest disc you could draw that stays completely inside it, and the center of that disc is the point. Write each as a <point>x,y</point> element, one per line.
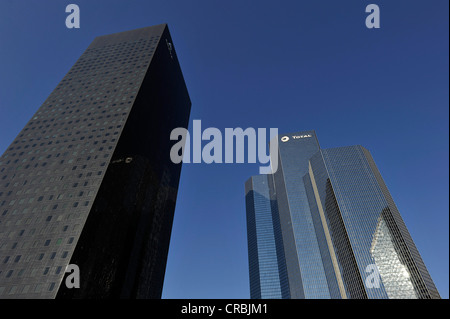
<point>341,233</point>
<point>89,180</point>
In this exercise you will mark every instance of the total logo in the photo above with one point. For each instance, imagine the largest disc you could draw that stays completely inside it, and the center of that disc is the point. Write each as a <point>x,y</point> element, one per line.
<point>284,139</point>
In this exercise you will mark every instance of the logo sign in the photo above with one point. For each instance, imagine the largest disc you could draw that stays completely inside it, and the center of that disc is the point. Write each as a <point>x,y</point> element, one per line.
<point>285,139</point>
<point>296,137</point>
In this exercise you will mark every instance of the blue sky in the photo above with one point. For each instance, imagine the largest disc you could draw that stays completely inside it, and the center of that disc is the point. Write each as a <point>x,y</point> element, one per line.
<point>291,65</point>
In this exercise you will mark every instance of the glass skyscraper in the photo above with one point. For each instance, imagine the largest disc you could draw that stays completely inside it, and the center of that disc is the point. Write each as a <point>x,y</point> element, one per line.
<point>89,181</point>
<point>267,263</point>
<point>341,233</point>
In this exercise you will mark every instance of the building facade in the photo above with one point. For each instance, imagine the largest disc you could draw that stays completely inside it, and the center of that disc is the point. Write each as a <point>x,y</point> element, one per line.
<point>267,263</point>
<point>89,181</point>
<point>342,234</point>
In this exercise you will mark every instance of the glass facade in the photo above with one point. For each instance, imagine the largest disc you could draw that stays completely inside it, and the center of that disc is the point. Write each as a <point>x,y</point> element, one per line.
<point>394,275</point>
<point>267,263</point>
<point>88,182</point>
<point>293,154</point>
<point>342,233</point>
<point>363,227</point>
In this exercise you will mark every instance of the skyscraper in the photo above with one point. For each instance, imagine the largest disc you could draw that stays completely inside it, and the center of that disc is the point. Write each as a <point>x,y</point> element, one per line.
<point>267,260</point>
<point>89,180</point>
<point>341,233</point>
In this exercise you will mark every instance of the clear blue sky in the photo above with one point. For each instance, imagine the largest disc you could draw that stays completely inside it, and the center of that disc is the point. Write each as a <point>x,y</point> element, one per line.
<point>294,65</point>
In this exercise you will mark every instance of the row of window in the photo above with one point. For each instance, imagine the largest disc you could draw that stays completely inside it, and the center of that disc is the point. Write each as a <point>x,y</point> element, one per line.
<point>22,272</point>
<point>28,233</point>
<point>38,257</point>
<point>27,289</point>
<point>36,244</point>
